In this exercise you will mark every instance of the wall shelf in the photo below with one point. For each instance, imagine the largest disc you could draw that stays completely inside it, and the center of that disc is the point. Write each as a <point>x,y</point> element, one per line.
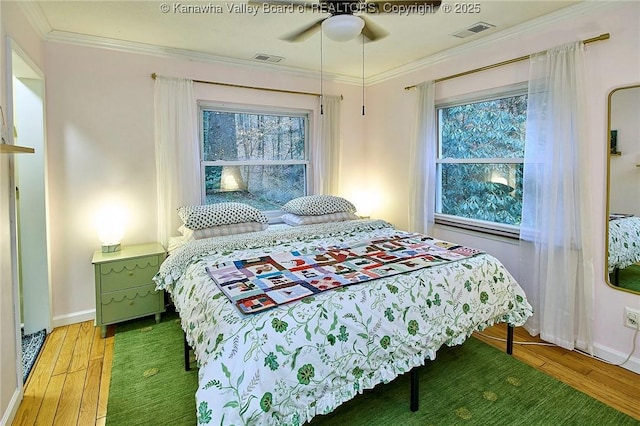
<point>15,149</point>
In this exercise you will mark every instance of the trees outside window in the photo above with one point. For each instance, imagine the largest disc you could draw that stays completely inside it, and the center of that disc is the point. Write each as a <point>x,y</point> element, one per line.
<point>257,158</point>
<point>480,159</point>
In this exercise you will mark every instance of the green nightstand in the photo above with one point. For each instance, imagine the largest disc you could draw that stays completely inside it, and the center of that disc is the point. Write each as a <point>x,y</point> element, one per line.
<point>124,284</point>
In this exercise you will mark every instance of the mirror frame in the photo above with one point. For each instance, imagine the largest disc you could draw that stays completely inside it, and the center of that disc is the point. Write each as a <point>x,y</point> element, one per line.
<point>606,218</point>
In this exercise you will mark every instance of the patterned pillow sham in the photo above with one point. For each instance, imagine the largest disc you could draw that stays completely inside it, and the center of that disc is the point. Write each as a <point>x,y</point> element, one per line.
<point>315,205</point>
<point>222,230</point>
<point>297,220</point>
<point>218,214</point>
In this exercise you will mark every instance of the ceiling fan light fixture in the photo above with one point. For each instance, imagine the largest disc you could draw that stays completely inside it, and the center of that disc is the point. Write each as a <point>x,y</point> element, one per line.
<point>342,27</point>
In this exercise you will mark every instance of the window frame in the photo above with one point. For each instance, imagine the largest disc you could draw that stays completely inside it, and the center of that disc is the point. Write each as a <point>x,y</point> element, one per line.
<point>482,226</point>
<point>227,107</point>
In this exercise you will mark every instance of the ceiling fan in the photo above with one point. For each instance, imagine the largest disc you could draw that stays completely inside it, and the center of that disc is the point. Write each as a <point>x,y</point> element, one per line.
<point>346,19</point>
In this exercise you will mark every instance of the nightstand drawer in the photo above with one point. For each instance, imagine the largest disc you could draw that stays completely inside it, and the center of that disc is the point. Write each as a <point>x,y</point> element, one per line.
<point>131,303</point>
<point>128,273</point>
<point>124,284</point>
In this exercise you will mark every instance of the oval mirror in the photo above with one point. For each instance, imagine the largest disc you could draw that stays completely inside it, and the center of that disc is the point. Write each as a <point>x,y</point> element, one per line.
<point>623,190</point>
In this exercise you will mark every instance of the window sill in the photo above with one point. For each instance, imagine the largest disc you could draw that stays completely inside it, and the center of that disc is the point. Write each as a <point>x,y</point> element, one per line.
<point>480,226</point>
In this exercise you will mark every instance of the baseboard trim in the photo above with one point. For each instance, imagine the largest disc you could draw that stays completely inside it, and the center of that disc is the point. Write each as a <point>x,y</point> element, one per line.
<point>616,357</point>
<point>12,408</point>
<point>74,317</point>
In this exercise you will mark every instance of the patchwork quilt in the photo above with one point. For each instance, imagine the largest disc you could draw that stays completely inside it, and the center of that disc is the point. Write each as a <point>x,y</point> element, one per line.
<point>264,282</point>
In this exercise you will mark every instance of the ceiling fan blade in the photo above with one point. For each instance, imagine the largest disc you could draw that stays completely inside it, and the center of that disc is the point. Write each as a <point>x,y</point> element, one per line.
<point>372,31</point>
<point>404,6</point>
<point>305,32</point>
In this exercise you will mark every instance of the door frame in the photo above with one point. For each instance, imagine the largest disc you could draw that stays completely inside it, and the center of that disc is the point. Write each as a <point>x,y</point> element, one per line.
<point>12,48</point>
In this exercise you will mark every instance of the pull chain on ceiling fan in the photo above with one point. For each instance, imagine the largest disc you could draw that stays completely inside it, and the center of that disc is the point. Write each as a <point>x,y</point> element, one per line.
<point>346,21</point>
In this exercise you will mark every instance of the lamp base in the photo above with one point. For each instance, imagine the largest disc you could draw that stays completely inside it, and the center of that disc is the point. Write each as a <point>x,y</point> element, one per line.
<point>111,248</point>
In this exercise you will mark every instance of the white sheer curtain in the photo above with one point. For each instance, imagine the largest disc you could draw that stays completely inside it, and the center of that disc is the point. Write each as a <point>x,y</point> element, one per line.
<point>422,166</point>
<point>326,152</point>
<point>557,266</point>
<point>177,151</point>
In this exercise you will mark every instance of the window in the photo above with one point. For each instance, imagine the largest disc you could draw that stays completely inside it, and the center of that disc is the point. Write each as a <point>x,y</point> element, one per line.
<point>480,163</point>
<point>253,156</point>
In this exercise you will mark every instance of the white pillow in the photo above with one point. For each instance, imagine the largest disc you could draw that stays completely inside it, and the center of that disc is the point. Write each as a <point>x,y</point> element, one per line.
<point>297,220</point>
<point>186,232</point>
<point>315,205</point>
<point>222,230</point>
<point>210,215</point>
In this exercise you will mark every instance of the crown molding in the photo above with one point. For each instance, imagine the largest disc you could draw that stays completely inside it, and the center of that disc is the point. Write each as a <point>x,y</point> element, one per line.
<point>190,55</point>
<point>40,24</point>
<point>585,7</point>
<point>36,18</point>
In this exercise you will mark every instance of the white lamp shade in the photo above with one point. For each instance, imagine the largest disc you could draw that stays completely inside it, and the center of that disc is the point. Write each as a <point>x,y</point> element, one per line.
<point>111,222</point>
<point>342,27</point>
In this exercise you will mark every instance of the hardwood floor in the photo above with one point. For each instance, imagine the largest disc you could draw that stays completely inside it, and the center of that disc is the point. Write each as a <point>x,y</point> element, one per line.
<point>610,384</point>
<point>69,384</point>
<point>70,381</point>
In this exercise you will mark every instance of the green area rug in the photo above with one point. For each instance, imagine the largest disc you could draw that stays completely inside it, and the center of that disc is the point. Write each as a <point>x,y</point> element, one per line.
<point>149,385</point>
<point>472,384</point>
<point>629,278</point>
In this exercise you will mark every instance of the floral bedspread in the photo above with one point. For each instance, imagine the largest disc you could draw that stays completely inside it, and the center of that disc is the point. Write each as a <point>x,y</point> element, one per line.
<point>288,364</point>
<point>624,242</point>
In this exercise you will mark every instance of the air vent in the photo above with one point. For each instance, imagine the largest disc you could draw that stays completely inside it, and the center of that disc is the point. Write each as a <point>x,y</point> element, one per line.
<point>473,29</point>
<point>267,58</point>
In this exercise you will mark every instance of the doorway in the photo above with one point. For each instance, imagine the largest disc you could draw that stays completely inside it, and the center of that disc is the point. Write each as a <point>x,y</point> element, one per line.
<point>30,244</point>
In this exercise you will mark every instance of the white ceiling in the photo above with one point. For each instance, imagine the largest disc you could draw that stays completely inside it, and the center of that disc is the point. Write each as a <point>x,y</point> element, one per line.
<point>238,35</point>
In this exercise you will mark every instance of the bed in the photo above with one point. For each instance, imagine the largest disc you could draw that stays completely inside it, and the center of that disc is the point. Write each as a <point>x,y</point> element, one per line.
<point>298,360</point>
<point>624,242</point>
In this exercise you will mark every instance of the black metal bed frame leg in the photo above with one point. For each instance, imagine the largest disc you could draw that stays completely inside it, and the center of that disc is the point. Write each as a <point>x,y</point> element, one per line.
<point>187,365</point>
<point>414,397</point>
<point>415,390</point>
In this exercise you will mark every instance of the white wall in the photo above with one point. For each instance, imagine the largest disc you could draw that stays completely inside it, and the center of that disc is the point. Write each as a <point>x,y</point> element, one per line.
<point>610,64</point>
<point>31,208</point>
<point>101,148</point>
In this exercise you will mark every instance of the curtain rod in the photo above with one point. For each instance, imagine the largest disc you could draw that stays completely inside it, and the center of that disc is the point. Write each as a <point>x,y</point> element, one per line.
<point>510,61</point>
<point>154,75</point>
